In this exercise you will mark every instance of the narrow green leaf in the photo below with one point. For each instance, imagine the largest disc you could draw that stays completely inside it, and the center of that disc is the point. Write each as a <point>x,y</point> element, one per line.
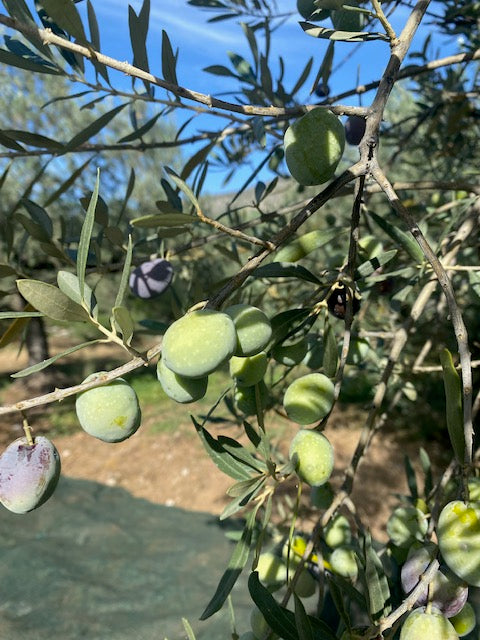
<point>371,265</point>
<point>227,463</point>
<point>11,60</point>
<point>93,128</point>
<point>46,363</point>
<point>304,628</point>
<point>6,270</point>
<point>235,566</point>
<point>39,215</point>
<point>196,159</point>
<point>141,131</point>
<point>405,240</point>
<point>302,246</point>
<point>128,193</point>
<point>33,139</point>
<point>251,489</point>
<point>303,77</point>
<point>11,315</point>
<point>65,14</point>
<point>220,70</point>
<point>454,410</point>
<point>95,40</point>
<point>242,67</point>
<point>67,184</point>
<point>85,237</point>
<point>375,582</point>
<point>285,270</point>
<point>125,274</point>
<point>239,451</point>
<point>182,185</point>
<point>169,60</point>
<point>411,478</point>
<point>330,351</point>
<point>50,301</point>
<point>138,26</point>
<point>427,471</point>
<point>474,280</point>
<point>275,616</point>
<point>124,323</point>
<point>162,220</point>
<point>344,36</point>
<point>10,143</point>
<point>32,228</point>
<point>188,629</point>
<point>69,284</point>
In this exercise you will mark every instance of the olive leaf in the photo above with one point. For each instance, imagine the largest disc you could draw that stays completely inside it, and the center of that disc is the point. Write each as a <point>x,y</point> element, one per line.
<point>162,220</point>
<point>454,410</point>
<point>378,591</point>
<point>285,270</point>
<point>122,320</point>
<point>85,237</point>
<point>69,284</point>
<point>39,366</point>
<point>235,566</point>
<point>223,459</point>
<point>50,301</point>
<point>344,36</point>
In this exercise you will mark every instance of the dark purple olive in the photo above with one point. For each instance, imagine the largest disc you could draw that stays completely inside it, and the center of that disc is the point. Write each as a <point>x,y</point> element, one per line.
<point>28,474</point>
<point>151,278</point>
<point>337,301</point>
<point>355,129</point>
<point>322,90</point>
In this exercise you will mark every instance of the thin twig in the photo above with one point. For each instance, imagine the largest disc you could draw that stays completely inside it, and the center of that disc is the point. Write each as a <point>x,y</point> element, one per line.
<point>455,313</point>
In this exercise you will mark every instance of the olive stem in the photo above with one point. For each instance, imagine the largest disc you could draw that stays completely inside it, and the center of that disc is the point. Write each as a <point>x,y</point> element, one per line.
<point>28,432</point>
<point>389,30</point>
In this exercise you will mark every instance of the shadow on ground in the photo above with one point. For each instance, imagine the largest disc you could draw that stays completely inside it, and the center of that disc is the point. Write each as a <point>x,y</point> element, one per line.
<point>94,562</point>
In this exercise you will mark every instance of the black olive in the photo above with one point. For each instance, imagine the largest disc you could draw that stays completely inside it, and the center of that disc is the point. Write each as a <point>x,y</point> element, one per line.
<point>337,301</point>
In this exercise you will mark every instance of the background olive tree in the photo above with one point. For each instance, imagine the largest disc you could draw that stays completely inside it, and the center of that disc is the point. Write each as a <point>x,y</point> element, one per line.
<point>397,227</point>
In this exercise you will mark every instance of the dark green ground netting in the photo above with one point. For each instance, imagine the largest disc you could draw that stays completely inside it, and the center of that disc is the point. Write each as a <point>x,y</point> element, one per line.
<point>96,563</point>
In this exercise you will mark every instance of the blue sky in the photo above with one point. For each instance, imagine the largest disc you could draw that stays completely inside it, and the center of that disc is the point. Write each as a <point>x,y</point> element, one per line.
<point>201,43</point>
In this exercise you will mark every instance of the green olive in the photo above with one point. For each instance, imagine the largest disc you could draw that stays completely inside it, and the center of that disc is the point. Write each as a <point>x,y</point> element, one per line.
<point>314,145</point>
<point>312,454</point>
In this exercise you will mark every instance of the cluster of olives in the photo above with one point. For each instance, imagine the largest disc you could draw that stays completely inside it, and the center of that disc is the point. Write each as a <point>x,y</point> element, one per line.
<point>30,467</point>
<point>441,609</point>
<point>200,342</point>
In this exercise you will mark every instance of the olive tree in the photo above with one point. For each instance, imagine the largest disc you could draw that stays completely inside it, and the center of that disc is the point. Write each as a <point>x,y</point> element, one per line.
<point>349,270</point>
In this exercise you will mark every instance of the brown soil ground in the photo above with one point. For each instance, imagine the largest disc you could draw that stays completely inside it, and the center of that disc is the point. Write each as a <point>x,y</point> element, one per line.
<point>174,469</point>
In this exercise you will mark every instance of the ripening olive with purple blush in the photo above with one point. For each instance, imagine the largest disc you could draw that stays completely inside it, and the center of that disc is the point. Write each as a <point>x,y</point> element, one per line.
<point>447,593</point>
<point>28,474</point>
<point>151,278</point>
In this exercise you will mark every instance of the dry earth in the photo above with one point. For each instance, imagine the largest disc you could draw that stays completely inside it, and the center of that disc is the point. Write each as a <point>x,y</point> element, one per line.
<point>174,469</point>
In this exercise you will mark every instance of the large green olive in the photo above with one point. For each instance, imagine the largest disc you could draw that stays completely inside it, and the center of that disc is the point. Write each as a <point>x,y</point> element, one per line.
<point>312,454</point>
<point>179,388</point>
<point>109,412</point>
<point>420,625</point>
<point>309,398</point>
<point>198,343</point>
<point>314,145</point>
<point>458,533</point>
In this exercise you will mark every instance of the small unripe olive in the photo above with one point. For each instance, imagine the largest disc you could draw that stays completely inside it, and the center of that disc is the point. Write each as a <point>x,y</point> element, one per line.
<point>458,534</point>
<point>420,625</point>
<point>309,398</point>
<point>179,388</point>
<point>253,329</point>
<point>249,370</point>
<point>313,455</point>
